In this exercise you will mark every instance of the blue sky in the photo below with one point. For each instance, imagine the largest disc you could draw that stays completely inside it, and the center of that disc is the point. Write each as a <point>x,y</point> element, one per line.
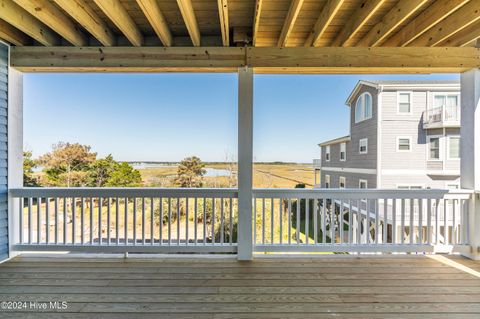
<point>166,117</point>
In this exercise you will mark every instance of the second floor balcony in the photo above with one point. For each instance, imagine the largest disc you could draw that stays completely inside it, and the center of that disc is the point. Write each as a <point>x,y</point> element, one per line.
<point>317,163</point>
<point>441,116</point>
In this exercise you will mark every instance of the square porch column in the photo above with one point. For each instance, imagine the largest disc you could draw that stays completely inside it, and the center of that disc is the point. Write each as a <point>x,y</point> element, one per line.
<point>245,163</point>
<point>470,152</point>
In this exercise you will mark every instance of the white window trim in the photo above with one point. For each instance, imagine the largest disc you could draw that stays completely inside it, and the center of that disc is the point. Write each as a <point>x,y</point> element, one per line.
<point>448,148</point>
<point>340,182</point>
<point>398,144</point>
<point>327,152</point>
<point>440,145</point>
<point>327,179</point>
<point>362,117</point>
<point>398,102</point>
<point>410,185</point>
<point>360,181</point>
<point>366,145</point>
<point>340,153</point>
<point>452,183</point>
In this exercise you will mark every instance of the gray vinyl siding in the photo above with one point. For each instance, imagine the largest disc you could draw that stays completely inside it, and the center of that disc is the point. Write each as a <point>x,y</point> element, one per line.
<point>351,179</point>
<point>3,152</point>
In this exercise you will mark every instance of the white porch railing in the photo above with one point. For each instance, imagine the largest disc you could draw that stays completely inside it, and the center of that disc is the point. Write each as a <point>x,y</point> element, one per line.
<point>126,219</point>
<point>442,115</point>
<point>205,220</point>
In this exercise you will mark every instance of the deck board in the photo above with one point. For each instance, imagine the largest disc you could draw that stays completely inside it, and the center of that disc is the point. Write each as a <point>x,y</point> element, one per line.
<point>220,288</point>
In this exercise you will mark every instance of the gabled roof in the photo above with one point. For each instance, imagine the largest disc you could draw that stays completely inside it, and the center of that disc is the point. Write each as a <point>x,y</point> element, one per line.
<point>336,140</point>
<point>403,84</point>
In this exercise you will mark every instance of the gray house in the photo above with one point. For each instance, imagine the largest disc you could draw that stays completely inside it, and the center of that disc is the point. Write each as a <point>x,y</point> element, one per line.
<point>403,134</point>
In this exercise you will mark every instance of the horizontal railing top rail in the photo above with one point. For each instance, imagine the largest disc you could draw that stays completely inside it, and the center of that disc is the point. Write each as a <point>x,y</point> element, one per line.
<point>352,193</point>
<point>138,192</point>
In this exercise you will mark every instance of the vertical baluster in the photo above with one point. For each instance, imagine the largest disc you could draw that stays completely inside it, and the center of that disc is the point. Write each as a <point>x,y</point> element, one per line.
<point>298,220</point>
<point>385,221</point>
<point>412,213</point>
<point>454,226</point>
<point>160,222</point>
<point>272,216</point>
<point>30,228</point>
<point>195,213</point>
<point>178,221</point>
<point>429,221</point>
<point>445,223</point>
<point>82,220</point>
<point>402,227</point>
<point>350,222</point>
<point>280,213</point>
<point>186,221</point>
<point>125,225</point>
<point>20,220</point>
<point>169,221</point>
<point>117,220</point>
<point>100,208</point>
<point>332,221</point>
<point>55,207</point>
<point>204,222</point>
<point>47,220</point>
<point>307,222</point>
<point>222,229</point>
<point>437,222</point>
<point>255,213</point>
<point>152,220</point>
<point>230,237</point>
<point>340,221</point>
<point>109,203</point>
<point>74,221</point>
<point>394,221</point>
<point>324,221</point>
<point>134,221</point>
<point>64,221</point>
<point>144,220</point>
<point>263,221</point>
<point>377,219</point>
<point>213,219</point>
<point>39,219</point>
<point>315,221</point>
<point>367,221</point>
<point>420,221</point>
<point>289,204</point>
<point>359,221</point>
<point>91,220</point>
<point>461,221</point>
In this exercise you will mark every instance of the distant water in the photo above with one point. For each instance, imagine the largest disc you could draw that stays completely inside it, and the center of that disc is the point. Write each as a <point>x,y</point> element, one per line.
<point>210,171</point>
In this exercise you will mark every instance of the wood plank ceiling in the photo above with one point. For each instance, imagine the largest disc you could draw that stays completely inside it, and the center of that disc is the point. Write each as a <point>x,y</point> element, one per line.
<point>259,23</point>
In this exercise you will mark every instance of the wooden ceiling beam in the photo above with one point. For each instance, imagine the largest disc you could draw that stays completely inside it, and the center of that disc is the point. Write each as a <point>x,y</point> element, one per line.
<point>358,19</point>
<point>327,14</point>
<point>460,19</point>
<point>438,11</point>
<point>274,60</point>
<point>190,20</point>
<point>12,35</point>
<point>390,22</point>
<point>224,24</point>
<point>463,37</point>
<point>115,11</point>
<point>256,20</point>
<point>46,12</point>
<point>83,13</point>
<point>292,15</point>
<point>157,20</point>
<point>24,21</point>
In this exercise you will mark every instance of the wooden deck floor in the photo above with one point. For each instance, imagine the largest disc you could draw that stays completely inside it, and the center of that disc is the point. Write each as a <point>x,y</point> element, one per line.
<point>327,287</point>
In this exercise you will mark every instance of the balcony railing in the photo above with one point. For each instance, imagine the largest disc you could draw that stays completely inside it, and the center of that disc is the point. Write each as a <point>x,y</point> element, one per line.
<point>205,220</point>
<point>317,163</point>
<point>441,116</point>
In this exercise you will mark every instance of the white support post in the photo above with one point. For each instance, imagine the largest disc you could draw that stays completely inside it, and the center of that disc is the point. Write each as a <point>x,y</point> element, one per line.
<point>470,152</point>
<point>245,159</point>
<point>15,152</point>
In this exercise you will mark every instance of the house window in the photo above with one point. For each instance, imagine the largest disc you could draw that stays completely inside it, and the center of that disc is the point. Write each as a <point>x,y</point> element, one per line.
<point>342,182</point>
<point>448,102</point>
<point>404,144</point>
<point>327,153</point>
<point>453,186</point>
<point>363,146</point>
<point>327,181</point>
<point>343,152</point>
<point>406,186</point>
<point>434,148</point>
<point>454,147</point>
<point>363,108</point>
<point>404,103</point>
<point>362,183</point>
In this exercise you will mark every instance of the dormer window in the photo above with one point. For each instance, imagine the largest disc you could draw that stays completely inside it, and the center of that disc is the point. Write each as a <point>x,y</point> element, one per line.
<point>363,108</point>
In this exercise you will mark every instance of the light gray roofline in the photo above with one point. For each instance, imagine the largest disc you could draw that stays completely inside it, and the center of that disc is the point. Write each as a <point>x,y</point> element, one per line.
<point>336,140</point>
